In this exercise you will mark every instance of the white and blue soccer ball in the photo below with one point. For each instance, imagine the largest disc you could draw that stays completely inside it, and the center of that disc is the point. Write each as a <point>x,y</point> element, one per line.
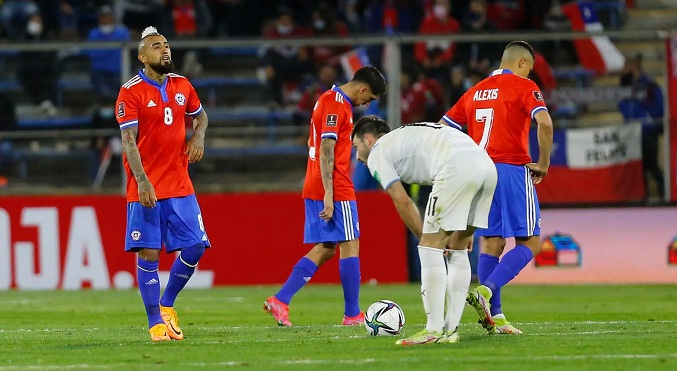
<point>384,317</point>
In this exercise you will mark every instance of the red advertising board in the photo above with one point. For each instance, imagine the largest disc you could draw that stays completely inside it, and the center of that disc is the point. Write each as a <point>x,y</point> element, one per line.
<point>71,242</point>
<point>671,59</point>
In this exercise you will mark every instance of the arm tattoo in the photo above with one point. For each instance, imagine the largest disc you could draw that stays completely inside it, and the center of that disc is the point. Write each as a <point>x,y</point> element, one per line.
<point>327,164</point>
<point>132,152</point>
<point>200,122</point>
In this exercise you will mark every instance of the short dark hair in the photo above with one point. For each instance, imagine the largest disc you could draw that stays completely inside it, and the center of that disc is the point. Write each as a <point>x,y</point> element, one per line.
<point>371,124</point>
<point>524,45</point>
<point>371,76</point>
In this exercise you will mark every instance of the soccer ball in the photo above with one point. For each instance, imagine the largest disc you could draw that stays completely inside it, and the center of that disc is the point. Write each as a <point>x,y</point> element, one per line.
<point>384,318</point>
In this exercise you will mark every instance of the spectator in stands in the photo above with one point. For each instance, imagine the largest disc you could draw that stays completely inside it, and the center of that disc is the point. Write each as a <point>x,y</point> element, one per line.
<point>7,123</point>
<point>435,56</point>
<point>461,81</point>
<point>190,18</point>
<point>507,15</point>
<point>326,77</point>
<point>478,55</point>
<point>558,52</point>
<point>282,66</point>
<point>646,105</point>
<point>139,14</point>
<point>38,71</point>
<point>325,25</point>
<point>106,63</point>
<point>422,98</point>
<point>14,15</point>
<point>236,17</point>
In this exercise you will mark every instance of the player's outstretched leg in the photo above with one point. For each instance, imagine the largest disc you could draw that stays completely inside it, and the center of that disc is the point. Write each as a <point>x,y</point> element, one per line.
<point>278,304</point>
<point>479,299</point>
<point>349,270</point>
<point>181,271</point>
<point>149,286</point>
<point>508,267</point>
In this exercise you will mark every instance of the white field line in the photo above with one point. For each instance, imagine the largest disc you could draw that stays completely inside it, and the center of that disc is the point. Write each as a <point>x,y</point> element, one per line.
<point>539,325</point>
<point>367,360</point>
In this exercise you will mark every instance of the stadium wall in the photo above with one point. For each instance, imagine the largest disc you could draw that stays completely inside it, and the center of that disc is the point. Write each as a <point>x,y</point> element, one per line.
<point>75,242</point>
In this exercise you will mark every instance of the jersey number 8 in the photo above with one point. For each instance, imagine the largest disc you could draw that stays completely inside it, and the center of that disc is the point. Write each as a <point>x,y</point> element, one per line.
<point>169,116</point>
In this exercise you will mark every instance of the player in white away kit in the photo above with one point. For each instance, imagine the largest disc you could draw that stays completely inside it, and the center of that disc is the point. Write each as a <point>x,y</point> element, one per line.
<point>463,179</point>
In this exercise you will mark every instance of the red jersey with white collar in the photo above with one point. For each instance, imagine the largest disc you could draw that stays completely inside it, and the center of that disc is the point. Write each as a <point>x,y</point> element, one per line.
<point>332,118</point>
<point>159,112</point>
<point>498,112</point>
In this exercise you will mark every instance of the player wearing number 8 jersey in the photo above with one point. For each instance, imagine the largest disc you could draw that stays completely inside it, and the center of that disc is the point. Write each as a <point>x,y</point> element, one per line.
<point>498,112</point>
<point>162,208</point>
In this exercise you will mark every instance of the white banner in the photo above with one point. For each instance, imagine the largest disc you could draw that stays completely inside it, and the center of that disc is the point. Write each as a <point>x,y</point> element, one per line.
<point>602,147</point>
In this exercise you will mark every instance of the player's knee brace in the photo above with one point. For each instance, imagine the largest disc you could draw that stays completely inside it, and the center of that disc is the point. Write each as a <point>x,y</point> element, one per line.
<point>191,255</point>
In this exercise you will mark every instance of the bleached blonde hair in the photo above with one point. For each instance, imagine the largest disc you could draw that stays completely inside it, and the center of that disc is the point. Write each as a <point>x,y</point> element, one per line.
<point>148,31</point>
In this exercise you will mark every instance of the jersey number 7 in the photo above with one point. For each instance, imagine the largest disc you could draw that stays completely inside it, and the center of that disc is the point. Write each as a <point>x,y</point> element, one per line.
<point>485,115</point>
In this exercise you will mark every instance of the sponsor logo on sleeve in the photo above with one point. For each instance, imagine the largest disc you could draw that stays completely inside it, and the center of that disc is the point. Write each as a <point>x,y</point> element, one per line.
<point>332,119</point>
<point>538,95</point>
<point>121,109</point>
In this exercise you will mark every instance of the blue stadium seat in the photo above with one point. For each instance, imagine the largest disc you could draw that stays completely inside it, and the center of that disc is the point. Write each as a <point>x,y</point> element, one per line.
<point>53,122</point>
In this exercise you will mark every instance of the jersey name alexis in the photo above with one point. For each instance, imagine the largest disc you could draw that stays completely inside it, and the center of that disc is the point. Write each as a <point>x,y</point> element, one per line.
<point>488,94</point>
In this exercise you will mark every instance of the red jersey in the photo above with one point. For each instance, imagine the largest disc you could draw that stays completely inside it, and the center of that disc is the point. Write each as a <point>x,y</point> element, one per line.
<point>498,112</point>
<point>158,111</point>
<point>332,118</point>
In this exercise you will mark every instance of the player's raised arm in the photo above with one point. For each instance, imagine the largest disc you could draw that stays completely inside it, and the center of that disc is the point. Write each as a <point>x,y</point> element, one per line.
<point>147,196</point>
<point>545,134</point>
<point>327,146</point>
<point>195,148</point>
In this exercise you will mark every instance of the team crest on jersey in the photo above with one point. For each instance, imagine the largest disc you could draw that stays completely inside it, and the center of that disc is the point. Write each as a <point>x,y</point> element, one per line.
<point>136,235</point>
<point>180,99</point>
<point>332,119</point>
<point>121,109</point>
<point>538,95</point>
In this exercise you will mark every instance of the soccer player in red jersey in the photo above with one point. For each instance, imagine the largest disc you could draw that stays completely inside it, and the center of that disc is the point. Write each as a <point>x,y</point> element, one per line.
<point>329,196</point>
<point>161,203</point>
<point>498,112</point>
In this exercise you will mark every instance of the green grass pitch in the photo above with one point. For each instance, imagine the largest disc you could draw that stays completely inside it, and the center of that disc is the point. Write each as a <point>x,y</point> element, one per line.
<point>566,328</point>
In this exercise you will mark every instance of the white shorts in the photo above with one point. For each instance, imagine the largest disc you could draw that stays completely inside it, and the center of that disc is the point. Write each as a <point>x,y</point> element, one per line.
<point>462,193</point>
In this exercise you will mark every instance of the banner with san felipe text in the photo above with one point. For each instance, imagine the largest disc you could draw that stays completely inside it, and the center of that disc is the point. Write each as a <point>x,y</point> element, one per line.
<point>593,165</point>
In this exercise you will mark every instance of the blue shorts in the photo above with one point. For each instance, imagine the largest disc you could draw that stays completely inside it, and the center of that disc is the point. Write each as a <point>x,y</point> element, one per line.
<point>343,226</point>
<point>175,222</point>
<point>515,211</point>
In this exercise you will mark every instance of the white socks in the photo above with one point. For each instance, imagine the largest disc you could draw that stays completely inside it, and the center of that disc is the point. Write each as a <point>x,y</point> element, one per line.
<point>433,286</point>
<point>458,283</point>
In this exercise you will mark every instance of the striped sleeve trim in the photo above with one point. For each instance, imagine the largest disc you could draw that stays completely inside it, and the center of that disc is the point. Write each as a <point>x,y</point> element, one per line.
<point>535,110</point>
<point>329,135</point>
<point>195,112</point>
<point>129,124</point>
<point>451,122</point>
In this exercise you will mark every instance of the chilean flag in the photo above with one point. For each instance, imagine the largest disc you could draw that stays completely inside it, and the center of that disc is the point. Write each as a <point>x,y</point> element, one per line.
<point>353,61</point>
<point>596,53</point>
<point>596,165</point>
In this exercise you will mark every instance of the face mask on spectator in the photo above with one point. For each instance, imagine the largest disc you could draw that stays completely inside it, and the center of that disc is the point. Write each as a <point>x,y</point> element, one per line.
<point>107,28</point>
<point>319,24</point>
<point>283,30</point>
<point>440,11</point>
<point>34,28</point>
